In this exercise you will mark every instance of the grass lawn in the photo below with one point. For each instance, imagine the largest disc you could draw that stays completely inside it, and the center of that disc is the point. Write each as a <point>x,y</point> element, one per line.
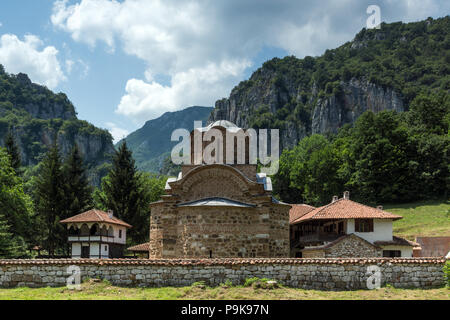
<point>427,218</point>
<point>104,291</point>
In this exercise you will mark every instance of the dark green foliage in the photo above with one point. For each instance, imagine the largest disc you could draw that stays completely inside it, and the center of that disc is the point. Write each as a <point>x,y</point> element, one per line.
<point>51,203</point>
<point>8,247</point>
<point>384,157</point>
<point>128,193</point>
<point>77,191</point>
<point>408,57</point>
<point>33,113</point>
<point>168,168</point>
<point>13,151</point>
<point>15,211</point>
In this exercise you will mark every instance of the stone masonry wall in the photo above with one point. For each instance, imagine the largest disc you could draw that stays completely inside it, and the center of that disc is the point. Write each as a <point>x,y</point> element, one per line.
<point>323,274</point>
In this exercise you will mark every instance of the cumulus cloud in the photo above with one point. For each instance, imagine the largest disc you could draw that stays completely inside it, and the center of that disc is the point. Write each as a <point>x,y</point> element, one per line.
<point>26,56</point>
<point>197,86</point>
<point>187,40</point>
<point>117,132</point>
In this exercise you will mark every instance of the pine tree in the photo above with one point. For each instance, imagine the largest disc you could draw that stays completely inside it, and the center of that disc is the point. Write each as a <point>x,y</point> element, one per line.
<point>78,192</point>
<point>122,191</point>
<point>15,208</point>
<point>50,201</point>
<point>13,151</point>
<point>8,248</point>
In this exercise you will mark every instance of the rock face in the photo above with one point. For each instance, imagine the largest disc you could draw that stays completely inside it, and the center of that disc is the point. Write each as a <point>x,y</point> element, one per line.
<point>333,112</point>
<point>36,116</point>
<point>328,113</point>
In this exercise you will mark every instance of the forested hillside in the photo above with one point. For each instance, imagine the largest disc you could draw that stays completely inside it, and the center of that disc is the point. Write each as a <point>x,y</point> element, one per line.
<point>35,116</point>
<point>379,70</point>
<point>151,144</point>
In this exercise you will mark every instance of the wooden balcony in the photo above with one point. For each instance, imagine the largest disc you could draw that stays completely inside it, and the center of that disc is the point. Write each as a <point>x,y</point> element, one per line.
<point>103,239</point>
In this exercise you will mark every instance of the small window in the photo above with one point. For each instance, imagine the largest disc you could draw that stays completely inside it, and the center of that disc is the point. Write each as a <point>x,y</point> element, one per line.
<point>120,233</point>
<point>392,253</point>
<point>106,248</point>
<point>363,225</point>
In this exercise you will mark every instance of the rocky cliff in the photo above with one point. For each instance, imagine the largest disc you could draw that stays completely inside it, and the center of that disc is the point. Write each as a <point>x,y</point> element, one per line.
<point>379,70</point>
<point>36,116</point>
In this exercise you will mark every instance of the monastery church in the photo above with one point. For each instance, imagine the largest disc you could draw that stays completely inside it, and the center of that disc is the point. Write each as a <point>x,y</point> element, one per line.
<point>228,211</point>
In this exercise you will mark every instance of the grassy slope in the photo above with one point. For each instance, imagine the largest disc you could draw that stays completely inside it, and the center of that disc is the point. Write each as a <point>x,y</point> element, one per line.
<point>104,291</point>
<point>426,218</point>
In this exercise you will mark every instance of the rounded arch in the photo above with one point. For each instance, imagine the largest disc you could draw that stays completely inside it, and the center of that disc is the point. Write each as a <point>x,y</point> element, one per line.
<point>94,231</point>
<point>218,171</point>
<point>73,231</point>
<point>84,230</point>
<point>110,231</point>
<point>104,231</point>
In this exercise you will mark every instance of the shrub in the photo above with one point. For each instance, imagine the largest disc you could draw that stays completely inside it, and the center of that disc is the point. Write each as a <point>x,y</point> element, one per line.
<point>447,273</point>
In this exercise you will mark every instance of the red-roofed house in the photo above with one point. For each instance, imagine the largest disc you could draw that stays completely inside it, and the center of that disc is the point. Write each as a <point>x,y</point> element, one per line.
<point>345,228</point>
<point>96,234</point>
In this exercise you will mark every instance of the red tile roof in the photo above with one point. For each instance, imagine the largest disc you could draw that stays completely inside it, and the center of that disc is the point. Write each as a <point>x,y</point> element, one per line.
<point>299,210</point>
<point>143,247</point>
<point>346,209</point>
<point>398,242</point>
<point>224,261</point>
<point>95,215</point>
<point>335,242</point>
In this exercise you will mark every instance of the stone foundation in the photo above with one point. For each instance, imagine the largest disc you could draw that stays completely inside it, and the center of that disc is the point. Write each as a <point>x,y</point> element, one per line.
<point>322,274</point>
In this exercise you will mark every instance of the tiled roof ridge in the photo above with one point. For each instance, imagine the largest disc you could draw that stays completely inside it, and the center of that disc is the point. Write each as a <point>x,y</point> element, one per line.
<point>318,210</point>
<point>101,215</point>
<point>376,208</point>
<point>224,261</point>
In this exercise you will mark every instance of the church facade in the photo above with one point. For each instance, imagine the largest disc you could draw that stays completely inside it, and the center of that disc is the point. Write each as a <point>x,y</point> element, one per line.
<point>219,211</point>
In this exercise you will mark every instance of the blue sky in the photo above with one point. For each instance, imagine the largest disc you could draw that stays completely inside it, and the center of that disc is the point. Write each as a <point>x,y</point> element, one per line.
<point>122,63</point>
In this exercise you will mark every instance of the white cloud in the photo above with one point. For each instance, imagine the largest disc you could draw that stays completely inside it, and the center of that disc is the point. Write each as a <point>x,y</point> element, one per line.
<point>197,86</point>
<point>42,66</point>
<point>117,133</point>
<point>69,65</point>
<point>191,42</point>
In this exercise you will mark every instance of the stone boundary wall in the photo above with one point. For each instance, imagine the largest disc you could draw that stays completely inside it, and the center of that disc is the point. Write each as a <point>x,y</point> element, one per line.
<point>323,274</point>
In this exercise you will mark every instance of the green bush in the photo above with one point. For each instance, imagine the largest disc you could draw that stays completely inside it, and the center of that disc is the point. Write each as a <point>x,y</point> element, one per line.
<point>447,273</point>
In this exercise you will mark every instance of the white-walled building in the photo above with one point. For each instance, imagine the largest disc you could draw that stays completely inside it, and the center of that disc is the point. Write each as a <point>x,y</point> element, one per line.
<point>96,234</point>
<point>345,228</point>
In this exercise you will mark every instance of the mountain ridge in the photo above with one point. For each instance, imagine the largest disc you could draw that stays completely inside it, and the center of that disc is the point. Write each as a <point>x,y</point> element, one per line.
<point>36,116</point>
<point>150,153</point>
<point>378,70</point>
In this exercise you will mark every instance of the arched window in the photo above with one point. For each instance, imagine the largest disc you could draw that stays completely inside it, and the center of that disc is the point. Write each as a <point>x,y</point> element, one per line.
<point>84,231</point>
<point>104,231</point>
<point>73,231</point>
<point>110,232</point>
<point>94,230</point>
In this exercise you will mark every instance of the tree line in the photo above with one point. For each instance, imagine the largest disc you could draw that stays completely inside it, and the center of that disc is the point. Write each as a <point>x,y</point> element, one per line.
<point>386,157</point>
<point>31,209</point>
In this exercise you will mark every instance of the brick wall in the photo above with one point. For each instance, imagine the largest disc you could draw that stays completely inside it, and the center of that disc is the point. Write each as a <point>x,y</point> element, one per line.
<point>324,274</point>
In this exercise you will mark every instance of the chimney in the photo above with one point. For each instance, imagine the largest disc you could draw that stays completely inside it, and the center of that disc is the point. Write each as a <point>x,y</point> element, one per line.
<point>335,198</point>
<point>347,195</point>
<point>110,213</point>
<point>380,207</point>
